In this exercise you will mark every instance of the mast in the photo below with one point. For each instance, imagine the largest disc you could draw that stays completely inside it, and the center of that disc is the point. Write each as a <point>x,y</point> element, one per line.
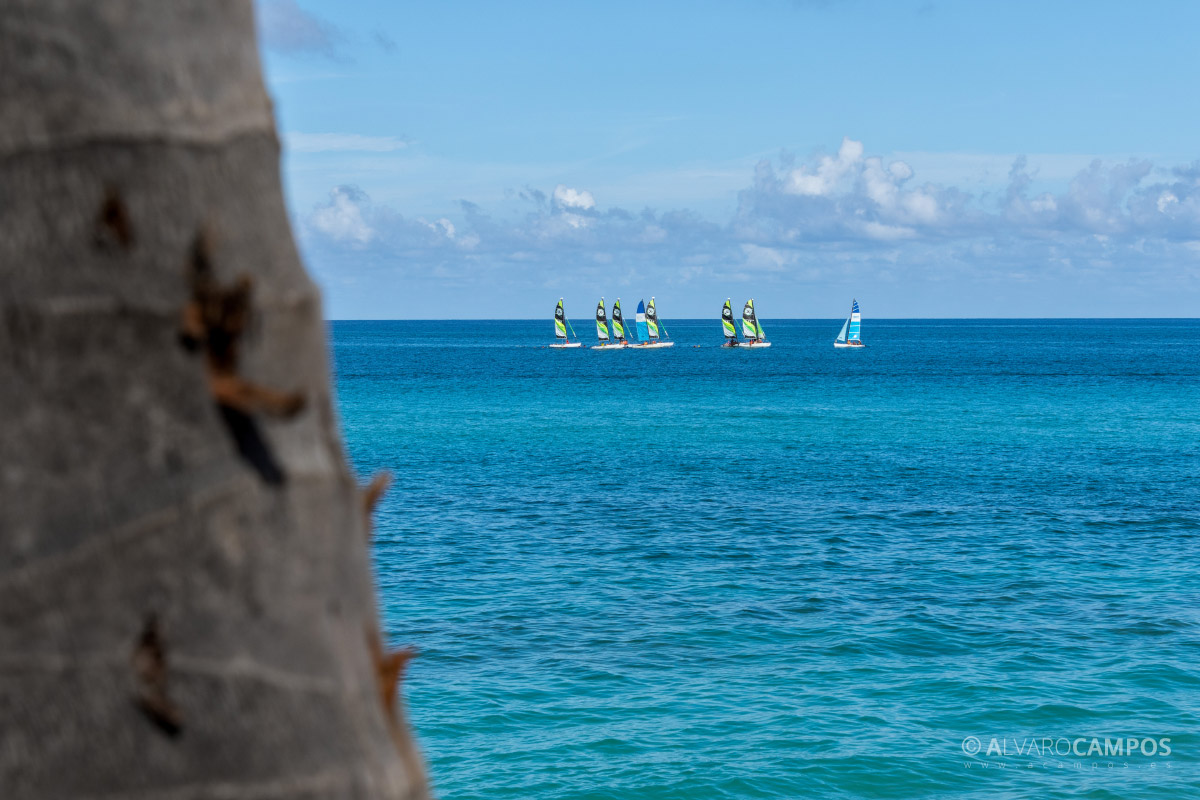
<point>618,322</point>
<point>642,330</point>
<point>560,321</point>
<point>727,321</point>
<point>652,320</point>
<point>601,322</point>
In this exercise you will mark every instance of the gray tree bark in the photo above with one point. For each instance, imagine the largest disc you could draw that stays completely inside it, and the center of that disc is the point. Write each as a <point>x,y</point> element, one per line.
<point>186,601</point>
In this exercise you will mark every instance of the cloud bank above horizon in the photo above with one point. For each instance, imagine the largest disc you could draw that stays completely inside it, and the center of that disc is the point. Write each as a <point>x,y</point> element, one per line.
<point>834,216</point>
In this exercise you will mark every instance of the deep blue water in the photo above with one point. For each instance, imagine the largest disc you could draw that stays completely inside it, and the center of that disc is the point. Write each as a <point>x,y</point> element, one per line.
<point>794,572</point>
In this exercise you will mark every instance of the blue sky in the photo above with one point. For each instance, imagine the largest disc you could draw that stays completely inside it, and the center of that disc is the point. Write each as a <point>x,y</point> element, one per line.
<point>932,159</point>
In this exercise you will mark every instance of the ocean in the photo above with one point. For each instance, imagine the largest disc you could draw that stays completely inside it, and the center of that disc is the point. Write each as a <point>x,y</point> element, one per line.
<point>960,563</point>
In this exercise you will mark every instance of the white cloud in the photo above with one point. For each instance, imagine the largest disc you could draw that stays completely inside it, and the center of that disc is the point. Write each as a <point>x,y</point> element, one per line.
<point>921,207</point>
<point>900,171</point>
<point>341,218</point>
<point>341,142</point>
<point>565,197</point>
<point>824,178</point>
<point>880,186</point>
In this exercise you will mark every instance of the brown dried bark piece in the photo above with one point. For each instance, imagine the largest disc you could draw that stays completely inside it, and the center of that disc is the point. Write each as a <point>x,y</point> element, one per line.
<point>150,666</point>
<point>214,320</point>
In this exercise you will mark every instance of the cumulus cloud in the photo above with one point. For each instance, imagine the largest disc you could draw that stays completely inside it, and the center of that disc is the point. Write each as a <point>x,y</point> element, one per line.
<point>341,218</point>
<point>285,27</point>
<point>828,173</point>
<point>565,197</point>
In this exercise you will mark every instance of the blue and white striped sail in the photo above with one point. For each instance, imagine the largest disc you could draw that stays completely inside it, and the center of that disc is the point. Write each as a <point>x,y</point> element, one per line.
<point>855,323</point>
<point>642,329</point>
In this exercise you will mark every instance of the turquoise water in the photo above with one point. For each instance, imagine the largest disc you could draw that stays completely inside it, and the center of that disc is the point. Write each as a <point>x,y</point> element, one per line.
<point>794,572</point>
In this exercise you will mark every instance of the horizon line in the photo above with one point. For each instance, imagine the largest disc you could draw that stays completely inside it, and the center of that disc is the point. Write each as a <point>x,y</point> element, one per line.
<point>780,319</point>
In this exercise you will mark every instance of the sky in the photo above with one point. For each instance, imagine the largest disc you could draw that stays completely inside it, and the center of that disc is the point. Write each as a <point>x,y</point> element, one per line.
<point>931,159</point>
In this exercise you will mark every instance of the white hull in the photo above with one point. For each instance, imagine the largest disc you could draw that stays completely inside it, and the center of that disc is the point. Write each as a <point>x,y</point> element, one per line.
<point>653,345</point>
<point>565,345</point>
<point>754,344</point>
<point>610,346</point>
<point>849,345</point>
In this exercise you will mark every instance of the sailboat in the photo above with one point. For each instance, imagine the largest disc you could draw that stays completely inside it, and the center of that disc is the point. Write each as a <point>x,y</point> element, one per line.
<point>602,330</point>
<point>849,337</point>
<point>648,327</point>
<point>562,341</point>
<point>727,325</point>
<point>752,329</point>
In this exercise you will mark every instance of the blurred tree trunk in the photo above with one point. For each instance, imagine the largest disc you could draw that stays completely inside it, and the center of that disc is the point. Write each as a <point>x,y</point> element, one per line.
<point>186,603</point>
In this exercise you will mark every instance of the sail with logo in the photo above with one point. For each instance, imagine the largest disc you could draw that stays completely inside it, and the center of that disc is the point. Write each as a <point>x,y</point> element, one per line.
<point>851,329</point>
<point>561,323</point>
<point>618,322</point>
<point>727,326</point>
<point>651,332</point>
<point>752,329</point>
<point>602,330</point>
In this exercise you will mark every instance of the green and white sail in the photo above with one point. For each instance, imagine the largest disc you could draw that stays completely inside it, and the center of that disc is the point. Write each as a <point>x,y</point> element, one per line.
<point>727,321</point>
<point>601,322</point>
<point>652,321</point>
<point>560,321</point>
<point>751,328</point>
<point>618,322</point>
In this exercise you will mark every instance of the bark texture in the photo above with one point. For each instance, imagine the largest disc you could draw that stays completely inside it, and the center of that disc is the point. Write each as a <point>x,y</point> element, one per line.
<point>173,622</point>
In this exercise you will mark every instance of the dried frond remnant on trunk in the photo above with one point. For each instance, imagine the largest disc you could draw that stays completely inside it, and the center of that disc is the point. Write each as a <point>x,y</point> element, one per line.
<point>176,619</point>
<point>215,319</point>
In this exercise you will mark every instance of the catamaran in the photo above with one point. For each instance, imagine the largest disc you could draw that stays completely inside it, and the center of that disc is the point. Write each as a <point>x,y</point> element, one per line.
<point>561,322</point>
<point>648,327</point>
<point>727,326</point>
<point>849,337</point>
<point>752,329</point>
<point>602,329</point>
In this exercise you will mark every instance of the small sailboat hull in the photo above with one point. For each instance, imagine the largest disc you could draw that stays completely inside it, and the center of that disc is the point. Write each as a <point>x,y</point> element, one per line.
<point>754,344</point>
<point>610,346</point>
<point>566,345</point>
<point>653,345</point>
<point>849,345</point>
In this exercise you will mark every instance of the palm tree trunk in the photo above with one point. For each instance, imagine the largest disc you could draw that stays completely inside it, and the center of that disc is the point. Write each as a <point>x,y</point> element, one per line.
<point>186,602</point>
